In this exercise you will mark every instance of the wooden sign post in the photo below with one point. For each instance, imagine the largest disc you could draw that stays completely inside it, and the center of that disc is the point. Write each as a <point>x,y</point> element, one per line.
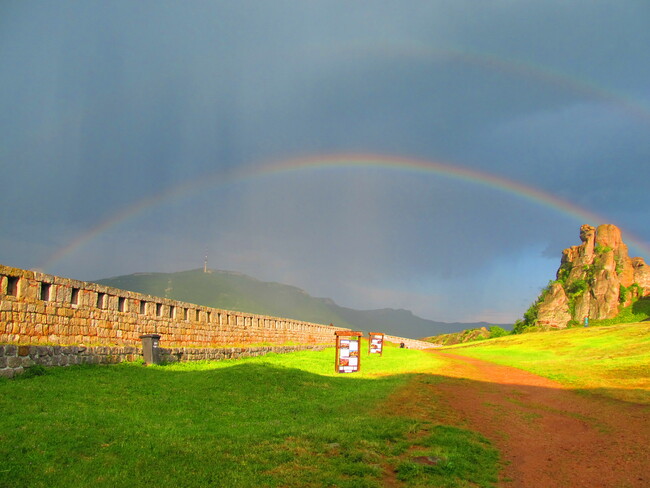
<point>376,343</point>
<point>348,357</point>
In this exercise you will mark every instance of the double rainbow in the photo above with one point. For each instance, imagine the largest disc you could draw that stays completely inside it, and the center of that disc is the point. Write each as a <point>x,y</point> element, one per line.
<point>345,162</point>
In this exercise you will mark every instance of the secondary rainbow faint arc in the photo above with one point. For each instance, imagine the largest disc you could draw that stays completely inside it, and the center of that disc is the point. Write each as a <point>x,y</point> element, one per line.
<point>344,162</point>
<point>518,67</point>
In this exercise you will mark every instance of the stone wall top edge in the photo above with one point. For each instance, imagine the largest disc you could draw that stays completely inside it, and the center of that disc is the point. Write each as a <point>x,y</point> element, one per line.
<point>96,287</point>
<point>11,271</point>
<point>392,338</point>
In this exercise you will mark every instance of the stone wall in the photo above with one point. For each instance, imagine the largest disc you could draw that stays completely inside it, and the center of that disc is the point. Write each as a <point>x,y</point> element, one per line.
<point>410,343</point>
<point>15,358</point>
<point>52,321</point>
<point>38,308</point>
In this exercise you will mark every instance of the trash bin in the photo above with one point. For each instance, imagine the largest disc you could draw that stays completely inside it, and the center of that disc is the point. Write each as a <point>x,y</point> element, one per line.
<point>150,348</point>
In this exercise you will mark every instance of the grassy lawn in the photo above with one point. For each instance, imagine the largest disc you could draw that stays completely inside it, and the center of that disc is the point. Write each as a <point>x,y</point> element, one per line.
<point>281,420</point>
<point>613,361</point>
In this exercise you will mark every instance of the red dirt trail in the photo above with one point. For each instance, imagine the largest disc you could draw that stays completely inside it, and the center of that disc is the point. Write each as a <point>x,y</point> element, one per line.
<point>548,435</point>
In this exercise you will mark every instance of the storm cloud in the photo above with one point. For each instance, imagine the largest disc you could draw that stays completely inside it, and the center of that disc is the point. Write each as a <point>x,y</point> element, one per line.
<point>125,126</point>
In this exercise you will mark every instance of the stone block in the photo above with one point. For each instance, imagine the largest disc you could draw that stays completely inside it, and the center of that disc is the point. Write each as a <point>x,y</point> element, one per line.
<point>7,373</point>
<point>46,361</point>
<point>14,362</point>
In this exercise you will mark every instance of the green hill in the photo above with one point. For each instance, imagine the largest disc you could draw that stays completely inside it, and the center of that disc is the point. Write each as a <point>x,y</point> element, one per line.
<point>236,291</point>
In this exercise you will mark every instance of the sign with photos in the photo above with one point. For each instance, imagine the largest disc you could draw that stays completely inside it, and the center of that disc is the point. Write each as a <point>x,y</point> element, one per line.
<point>376,343</point>
<point>348,357</point>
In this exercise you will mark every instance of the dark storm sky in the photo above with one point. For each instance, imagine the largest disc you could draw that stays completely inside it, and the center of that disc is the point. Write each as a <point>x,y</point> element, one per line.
<point>108,108</point>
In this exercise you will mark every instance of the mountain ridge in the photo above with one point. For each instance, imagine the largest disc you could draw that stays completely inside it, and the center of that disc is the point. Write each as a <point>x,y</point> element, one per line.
<point>231,290</point>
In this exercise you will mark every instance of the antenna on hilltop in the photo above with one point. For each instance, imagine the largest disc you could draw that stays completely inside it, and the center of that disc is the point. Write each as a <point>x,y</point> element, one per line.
<point>205,262</point>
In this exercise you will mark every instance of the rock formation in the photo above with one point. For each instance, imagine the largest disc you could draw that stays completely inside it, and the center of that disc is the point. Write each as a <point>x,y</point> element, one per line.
<point>594,280</point>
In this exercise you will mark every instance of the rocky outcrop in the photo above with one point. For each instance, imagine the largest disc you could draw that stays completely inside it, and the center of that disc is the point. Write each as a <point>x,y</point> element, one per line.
<point>594,280</point>
<point>641,273</point>
<point>461,337</point>
<point>554,308</point>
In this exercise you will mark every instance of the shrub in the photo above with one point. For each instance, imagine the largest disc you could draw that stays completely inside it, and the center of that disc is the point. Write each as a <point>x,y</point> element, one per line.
<point>563,272</point>
<point>599,249</point>
<point>622,294</point>
<point>530,316</point>
<point>32,371</point>
<point>496,331</point>
<point>576,288</point>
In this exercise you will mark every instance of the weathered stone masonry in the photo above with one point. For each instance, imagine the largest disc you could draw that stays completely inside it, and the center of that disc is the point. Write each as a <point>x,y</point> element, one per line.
<point>14,358</point>
<point>410,343</point>
<point>71,318</point>
<point>37,308</point>
<point>54,321</point>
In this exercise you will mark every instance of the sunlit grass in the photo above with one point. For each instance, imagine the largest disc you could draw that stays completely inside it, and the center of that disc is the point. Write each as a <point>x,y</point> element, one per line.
<point>613,361</point>
<point>280,420</point>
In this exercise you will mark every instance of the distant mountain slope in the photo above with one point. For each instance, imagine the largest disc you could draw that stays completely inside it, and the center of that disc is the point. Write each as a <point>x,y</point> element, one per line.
<point>235,291</point>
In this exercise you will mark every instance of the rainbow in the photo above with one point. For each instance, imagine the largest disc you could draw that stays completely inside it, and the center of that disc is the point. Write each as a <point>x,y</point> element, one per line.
<point>519,68</point>
<point>422,53</point>
<point>345,162</point>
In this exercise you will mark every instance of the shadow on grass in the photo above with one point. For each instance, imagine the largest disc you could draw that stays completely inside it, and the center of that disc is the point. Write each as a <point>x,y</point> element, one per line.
<point>240,425</point>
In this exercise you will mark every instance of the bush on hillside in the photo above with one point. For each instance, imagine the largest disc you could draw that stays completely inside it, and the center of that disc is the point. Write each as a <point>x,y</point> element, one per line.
<point>469,335</point>
<point>496,331</point>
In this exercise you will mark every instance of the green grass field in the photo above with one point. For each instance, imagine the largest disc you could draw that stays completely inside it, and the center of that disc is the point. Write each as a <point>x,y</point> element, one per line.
<point>613,361</point>
<point>280,420</point>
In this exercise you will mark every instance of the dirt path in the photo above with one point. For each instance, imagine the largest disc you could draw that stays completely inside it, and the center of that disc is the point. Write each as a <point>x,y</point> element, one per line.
<point>548,436</point>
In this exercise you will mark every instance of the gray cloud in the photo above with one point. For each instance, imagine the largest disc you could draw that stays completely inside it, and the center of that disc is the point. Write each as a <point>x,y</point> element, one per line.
<point>105,104</point>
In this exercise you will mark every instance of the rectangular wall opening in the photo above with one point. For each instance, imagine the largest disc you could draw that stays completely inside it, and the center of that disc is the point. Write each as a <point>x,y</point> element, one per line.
<point>12,285</point>
<point>121,304</point>
<point>172,311</point>
<point>101,300</point>
<point>74,296</point>
<point>158,309</point>
<point>46,288</point>
<point>143,307</point>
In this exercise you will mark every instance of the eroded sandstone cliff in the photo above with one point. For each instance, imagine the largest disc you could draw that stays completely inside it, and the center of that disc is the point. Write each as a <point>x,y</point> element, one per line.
<point>594,280</point>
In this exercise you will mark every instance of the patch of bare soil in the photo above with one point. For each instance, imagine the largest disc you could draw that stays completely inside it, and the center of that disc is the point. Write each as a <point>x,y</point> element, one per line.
<point>548,435</point>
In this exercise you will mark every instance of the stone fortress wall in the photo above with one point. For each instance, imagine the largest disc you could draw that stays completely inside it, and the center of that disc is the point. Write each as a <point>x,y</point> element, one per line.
<point>410,343</point>
<point>38,308</point>
<point>49,320</point>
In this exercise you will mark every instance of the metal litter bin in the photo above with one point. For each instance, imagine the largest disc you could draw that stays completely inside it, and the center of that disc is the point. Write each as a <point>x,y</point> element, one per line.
<point>151,348</point>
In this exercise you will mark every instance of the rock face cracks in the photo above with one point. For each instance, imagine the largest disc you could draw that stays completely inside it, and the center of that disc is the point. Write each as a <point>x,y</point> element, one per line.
<point>594,280</point>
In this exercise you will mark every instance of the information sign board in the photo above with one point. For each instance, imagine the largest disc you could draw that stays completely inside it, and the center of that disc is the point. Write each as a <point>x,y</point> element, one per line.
<point>376,343</point>
<point>348,357</point>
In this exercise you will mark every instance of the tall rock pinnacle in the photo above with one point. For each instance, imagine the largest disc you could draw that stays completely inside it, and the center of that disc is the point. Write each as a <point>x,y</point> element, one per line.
<point>594,280</point>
